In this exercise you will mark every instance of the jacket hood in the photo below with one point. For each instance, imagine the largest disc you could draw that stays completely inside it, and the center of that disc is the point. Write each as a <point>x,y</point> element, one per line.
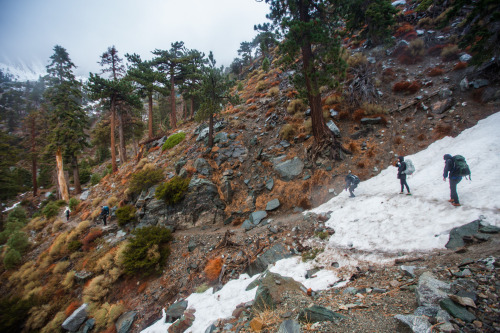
<point>447,157</point>
<point>401,158</point>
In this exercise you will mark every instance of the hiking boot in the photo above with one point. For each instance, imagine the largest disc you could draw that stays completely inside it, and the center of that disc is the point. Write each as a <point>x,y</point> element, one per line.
<point>401,192</point>
<point>352,196</point>
<point>408,193</point>
<point>456,204</point>
<point>451,200</point>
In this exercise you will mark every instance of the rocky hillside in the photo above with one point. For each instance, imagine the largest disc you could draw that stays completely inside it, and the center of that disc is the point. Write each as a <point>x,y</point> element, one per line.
<point>245,195</point>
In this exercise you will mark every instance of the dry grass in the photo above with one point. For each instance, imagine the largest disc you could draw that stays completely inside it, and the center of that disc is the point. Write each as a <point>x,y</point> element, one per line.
<point>398,140</point>
<point>37,223</point>
<point>71,308</point>
<point>69,280</point>
<point>353,147</point>
<point>112,201</point>
<point>450,53</point>
<point>421,137</point>
<point>344,115</point>
<point>297,105</point>
<point>96,290</point>
<point>213,268</point>
<point>287,132</point>
<point>88,240</point>
<point>60,267</point>
<point>261,86</point>
<point>334,99</point>
<point>460,65</point>
<point>435,71</point>
<point>442,130</point>
<point>371,109</point>
<point>358,115</point>
<point>274,91</point>
<point>357,60</point>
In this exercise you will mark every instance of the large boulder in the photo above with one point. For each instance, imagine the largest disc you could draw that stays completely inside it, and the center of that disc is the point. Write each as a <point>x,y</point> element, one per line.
<point>272,255</point>
<point>271,290</point>
<point>125,321</point>
<point>317,313</point>
<point>73,322</point>
<point>430,291</point>
<point>201,206</point>
<point>290,169</point>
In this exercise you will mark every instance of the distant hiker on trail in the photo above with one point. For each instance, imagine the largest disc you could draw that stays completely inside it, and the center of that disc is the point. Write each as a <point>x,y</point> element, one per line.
<point>67,214</point>
<point>351,182</point>
<point>453,174</point>
<point>104,213</point>
<point>401,165</point>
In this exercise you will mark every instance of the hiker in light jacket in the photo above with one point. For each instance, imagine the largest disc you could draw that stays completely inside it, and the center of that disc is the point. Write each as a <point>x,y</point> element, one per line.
<point>448,172</point>
<point>401,165</point>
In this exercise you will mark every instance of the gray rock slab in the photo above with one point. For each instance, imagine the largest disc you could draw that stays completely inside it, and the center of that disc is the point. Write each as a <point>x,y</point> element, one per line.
<point>332,127</point>
<point>125,321</point>
<point>289,326</point>
<point>317,313</point>
<point>272,205</point>
<point>175,311</point>
<point>418,324</point>
<point>275,253</point>
<point>257,216</point>
<point>73,322</point>
<point>456,310</point>
<point>290,169</point>
<point>457,234</point>
<point>430,290</point>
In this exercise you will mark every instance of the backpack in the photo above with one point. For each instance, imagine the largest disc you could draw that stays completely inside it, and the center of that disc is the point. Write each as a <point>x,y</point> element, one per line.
<point>410,168</point>
<point>460,167</point>
<point>355,179</point>
<point>105,209</point>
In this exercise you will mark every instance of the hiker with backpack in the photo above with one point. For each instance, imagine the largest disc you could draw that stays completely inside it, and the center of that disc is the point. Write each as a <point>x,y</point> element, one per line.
<point>104,213</point>
<point>351,182</point>
<point>455,168</point>
<point>403,170</point>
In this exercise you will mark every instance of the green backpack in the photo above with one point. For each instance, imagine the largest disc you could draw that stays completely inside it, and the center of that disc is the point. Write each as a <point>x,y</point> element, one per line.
<point>460,167</point>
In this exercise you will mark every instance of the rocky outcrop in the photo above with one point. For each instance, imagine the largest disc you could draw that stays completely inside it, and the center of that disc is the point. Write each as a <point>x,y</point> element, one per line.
<point>201,206</point>
<point>73,322</point>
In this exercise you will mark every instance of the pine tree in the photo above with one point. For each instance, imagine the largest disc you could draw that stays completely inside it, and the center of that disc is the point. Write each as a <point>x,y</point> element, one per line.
<point>67,119</point>
<point>170,63</point>
<point>193,74</point>
<point>307,27</point>
<point>117,93</point>
<point>144,75</point>
<point>214,92</point>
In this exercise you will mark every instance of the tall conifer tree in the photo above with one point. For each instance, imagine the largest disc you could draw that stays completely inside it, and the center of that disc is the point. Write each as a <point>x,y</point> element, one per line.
<point>67,119</point>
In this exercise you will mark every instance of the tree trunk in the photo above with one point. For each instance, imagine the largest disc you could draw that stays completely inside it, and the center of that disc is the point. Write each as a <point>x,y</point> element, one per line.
<point>61,180</point>
<point>173,115</point>
<point>319,129</point>
<point>123,151</point>
<point>192,107</point>
<point>211,131</point>
<point>33,157</point>
<point>76,175</point>
<point>112,125</point>
<point>150,116</point>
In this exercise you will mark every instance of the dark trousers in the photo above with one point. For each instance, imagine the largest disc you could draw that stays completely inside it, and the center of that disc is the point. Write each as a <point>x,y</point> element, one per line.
<point>104,217</point>
<point>402,180</point>
<point>453,189</point>
<point>351,189</point>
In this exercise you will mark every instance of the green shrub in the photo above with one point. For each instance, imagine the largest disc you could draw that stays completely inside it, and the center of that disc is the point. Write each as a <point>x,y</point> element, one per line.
<point>322,235</point>
<point>13,314</point>
<point>61,203</point>
<point>125,214</point>
<point>50,210</point>
<point>266,64</point>
<point>311,254</point>
<point>74,246</point>
<point>73,202</point>
<point>18,241</point>
<point>147,251</point>
<point>85,175</point>
<point>173,140</point>
<point>173,191</point>
<point>240,86</point>
<point>144,179</point>
<point>18,213</point>
<point>12,258</point>
<point>95,179</point>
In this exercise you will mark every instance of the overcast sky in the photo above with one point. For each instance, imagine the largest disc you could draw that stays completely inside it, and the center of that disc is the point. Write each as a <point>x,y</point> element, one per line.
<point>29,29</point>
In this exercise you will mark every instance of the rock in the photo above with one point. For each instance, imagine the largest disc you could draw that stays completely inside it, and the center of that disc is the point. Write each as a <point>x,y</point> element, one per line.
<point>408,270</point>
<point>203,134</point>
<point>272,289</point>
<point>84,195</point>
<point>88,326</point>
<point>488,229</point>
<point>175,311</point>
<point>441,106</point>
<point>457,234</point>
<point>418,324</point>
<point>270,184</point>
<point>183,323</point>
<point>201,165</point>
<point>272,255</point>
<point>371,121</point>
<point>73,322</point>
<point>210,329</point>
<point>257,216</point>
<point>317,313</point>
<point>431,290</point>
<point>479,83</point>
<point>290,169</point>
<point>457,311</point>
<point>125,321</point>
<point>335,130</point>
<point>289,326</point>
<point>272,205</point>
<point>464,84</point>
<point>465,57</point>
<point>464,301</point>
<point>247,225</point>
<point>221,137</point>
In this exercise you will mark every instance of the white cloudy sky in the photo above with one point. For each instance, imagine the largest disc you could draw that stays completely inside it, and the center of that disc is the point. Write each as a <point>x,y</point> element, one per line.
<point>29,29</point>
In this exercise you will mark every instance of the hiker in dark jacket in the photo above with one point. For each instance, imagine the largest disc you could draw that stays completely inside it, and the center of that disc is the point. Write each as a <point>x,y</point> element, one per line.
<point>449,166</point>
<point>401,165</point>
<point>104,213</point>
<point>351,182</point>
